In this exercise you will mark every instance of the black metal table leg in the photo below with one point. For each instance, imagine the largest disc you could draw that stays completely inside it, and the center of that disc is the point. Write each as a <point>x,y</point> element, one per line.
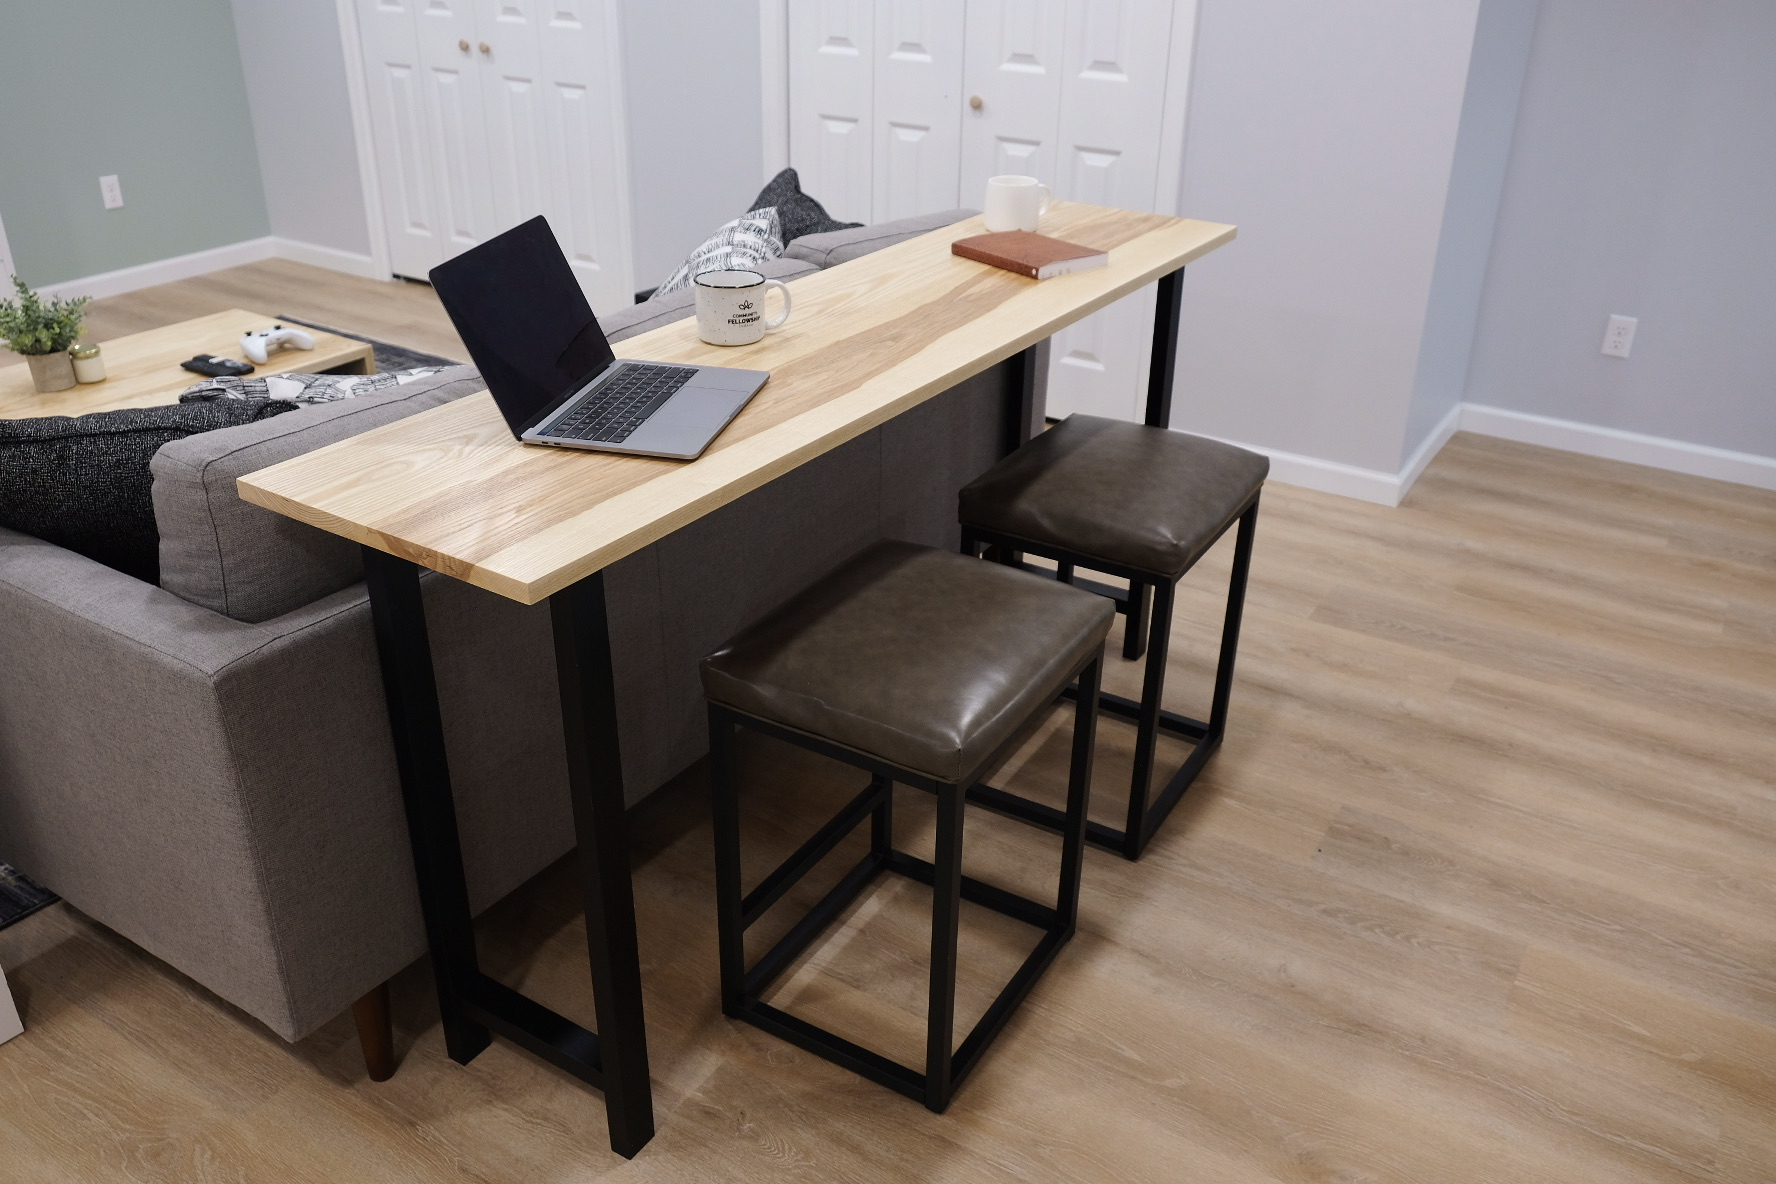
<point>1020,412</point>
<point>595,780</point>
<point>473,1005</point>
<point>1162,363</point>
<point>397,611</point>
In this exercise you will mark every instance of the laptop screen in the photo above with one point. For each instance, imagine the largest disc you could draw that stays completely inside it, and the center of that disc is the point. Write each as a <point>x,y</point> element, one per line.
<point>520,312</point>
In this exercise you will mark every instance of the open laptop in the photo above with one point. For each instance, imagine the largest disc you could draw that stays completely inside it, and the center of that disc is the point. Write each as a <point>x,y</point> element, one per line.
<point>518,308</point>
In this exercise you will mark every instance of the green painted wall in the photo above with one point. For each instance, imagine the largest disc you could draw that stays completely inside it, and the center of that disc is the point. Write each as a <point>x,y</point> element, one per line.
<point>151,91</point>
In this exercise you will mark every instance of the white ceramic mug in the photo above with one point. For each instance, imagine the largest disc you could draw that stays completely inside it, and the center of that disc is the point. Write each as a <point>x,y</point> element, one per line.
<point>731,306</point>
<point>1015,203</point>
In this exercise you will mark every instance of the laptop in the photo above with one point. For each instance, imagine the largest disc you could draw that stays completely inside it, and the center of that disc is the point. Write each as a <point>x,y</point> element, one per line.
<point>518,308</point>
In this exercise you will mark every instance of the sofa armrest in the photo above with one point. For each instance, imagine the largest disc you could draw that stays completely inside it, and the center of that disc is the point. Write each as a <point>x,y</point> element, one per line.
<point>842,246</point>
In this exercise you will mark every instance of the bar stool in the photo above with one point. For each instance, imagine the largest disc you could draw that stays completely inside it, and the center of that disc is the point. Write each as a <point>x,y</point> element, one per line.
<point>1143,503</point>
<point>921,667</point>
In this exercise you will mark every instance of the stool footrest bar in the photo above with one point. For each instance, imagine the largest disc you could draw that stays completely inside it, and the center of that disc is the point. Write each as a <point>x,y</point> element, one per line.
<point>837,1049</point>
<point>1129,709</point>
<point>773,886</point>
<point>1009,904</point>
<point>996,1015</point>
<point>779,956</point>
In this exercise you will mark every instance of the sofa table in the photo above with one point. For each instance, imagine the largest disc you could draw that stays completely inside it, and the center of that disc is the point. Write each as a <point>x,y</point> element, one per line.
<point>142,369</point>
<point>451,490</point>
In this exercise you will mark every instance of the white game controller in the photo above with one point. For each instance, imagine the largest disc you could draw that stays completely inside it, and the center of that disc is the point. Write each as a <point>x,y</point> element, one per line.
<point>258,346</point>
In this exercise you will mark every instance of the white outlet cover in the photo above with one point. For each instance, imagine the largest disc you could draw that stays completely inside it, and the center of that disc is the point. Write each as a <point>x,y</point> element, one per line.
<point>111,191</point>
<point>1618,338</point>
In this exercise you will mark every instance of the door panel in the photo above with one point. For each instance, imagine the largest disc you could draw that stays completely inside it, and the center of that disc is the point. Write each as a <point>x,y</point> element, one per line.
<point>1013,63</point>
<point>1112,96</point>
<point>831,103</point>
<point>917,107</point>
<point>457,135</point>
<point>395,89</point>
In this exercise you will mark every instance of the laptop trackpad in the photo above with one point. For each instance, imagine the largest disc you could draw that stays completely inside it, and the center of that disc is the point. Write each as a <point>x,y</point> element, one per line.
<point>688,420</point>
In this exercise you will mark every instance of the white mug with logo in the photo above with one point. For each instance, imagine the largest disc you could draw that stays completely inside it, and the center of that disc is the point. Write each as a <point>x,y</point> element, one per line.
<point>731,306</point>
<point>1015,203</point>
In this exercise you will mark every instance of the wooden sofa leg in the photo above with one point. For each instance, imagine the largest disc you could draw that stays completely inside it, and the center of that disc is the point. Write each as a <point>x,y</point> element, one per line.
<point>376,1032</point>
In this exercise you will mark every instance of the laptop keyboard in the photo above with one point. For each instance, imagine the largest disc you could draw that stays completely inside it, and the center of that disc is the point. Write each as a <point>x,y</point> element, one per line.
<point>609,414</point>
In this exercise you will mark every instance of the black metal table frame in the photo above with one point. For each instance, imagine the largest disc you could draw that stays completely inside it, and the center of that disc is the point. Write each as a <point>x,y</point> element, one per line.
<point>474,1006</point>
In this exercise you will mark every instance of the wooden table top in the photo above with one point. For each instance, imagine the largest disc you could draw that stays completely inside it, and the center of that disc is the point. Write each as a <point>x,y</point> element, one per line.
<point>450,488</point>
<point>142,369</point>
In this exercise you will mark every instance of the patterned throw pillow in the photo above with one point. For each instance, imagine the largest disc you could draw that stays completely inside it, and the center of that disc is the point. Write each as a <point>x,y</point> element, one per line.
<point>303,388</point>
<point>743,243</point>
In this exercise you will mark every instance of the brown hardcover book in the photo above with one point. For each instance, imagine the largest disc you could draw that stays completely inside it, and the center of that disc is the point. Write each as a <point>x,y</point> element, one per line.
<point>1028,253</point>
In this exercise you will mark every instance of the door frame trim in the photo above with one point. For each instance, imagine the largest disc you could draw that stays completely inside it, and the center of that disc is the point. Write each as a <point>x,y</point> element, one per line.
<point>1168,195</point>
<point>357,90</point>
<point>774,80</point>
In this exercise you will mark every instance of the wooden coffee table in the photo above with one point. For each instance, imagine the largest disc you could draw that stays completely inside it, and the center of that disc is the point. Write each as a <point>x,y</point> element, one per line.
<point>142,370</point>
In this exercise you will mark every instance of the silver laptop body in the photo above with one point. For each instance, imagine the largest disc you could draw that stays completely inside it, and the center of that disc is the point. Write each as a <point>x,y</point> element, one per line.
<point>606,415</point>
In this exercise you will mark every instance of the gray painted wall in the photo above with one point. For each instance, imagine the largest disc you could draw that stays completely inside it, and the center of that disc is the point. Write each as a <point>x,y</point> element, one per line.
<point>151,92</point>
<point>696,131</point>
<point>1643,181</point>
<point>1503,36</point>
<point>1328,132</point>
<point>295,80</point>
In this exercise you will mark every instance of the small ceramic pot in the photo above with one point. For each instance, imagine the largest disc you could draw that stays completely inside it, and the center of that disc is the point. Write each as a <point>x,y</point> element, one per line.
<point>51,372</point>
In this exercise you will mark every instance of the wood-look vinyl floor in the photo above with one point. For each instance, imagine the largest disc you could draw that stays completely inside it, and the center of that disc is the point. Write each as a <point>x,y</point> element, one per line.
<point>1479,889</point>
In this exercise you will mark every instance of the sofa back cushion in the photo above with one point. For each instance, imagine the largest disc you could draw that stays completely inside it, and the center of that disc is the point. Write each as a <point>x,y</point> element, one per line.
<point>82,482</point>
<point>842,246</point>
<point>246,562</point>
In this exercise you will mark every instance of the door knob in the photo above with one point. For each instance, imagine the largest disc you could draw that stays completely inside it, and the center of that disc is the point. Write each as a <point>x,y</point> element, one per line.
<point>974,101</point>
<point>486,48</point>
<point>463,45</point>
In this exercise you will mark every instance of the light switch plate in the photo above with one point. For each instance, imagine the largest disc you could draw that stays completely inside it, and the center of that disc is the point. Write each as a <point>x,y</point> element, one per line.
<point>111,191</point>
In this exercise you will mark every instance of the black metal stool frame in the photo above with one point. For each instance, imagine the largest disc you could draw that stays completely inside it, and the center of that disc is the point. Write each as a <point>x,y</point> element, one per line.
<point>945,1064</point>
<point>1148,715</point>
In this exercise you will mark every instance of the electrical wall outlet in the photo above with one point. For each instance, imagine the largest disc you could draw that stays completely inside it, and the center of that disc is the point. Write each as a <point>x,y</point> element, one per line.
<point>1618,339</point>
<point>111,191</point>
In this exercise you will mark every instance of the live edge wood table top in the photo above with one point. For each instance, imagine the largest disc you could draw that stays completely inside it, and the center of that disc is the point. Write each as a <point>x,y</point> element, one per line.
<point>451,490</point>
<point>142,369</point>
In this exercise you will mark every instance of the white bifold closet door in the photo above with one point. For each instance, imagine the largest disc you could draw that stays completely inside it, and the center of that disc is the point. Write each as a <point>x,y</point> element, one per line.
<point>884,123</point>
<point>486,113</point>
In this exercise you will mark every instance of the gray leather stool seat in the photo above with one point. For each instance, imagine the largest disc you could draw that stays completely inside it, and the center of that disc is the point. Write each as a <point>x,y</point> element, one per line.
<point>1142,497</point>
<point>923,668</point>
<point>1140,502</point>
<point>920,658</point>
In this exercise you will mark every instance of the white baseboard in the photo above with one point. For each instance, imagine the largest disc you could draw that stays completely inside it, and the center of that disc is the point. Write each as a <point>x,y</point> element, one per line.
<point>165,271</point>
<point>1427,452</point>
<point>1678,456</point>
<point>184,267</point>
<point>332,258</point>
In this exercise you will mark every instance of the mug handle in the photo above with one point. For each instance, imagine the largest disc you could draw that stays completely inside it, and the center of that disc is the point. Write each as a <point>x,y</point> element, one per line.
<point>784,288</point>
<point>1047,200</point>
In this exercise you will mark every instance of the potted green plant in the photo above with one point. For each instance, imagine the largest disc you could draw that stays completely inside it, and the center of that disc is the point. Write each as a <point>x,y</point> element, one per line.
<point>43,330</point>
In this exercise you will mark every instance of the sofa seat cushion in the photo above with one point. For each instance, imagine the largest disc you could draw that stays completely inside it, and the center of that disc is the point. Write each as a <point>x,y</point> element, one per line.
<point>676,306</point>
<point>842,246</point>
<point>246,562</point>
<point>83,482</point>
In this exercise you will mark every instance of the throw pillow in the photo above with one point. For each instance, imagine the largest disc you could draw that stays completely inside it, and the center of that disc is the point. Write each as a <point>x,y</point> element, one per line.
<point>304,388</point>
<point>798,213</point>
<point>82,482</point>
<point>745,242</point>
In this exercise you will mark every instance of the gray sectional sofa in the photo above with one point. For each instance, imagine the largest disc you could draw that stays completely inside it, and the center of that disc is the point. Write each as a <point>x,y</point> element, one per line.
<point>205,766</point>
